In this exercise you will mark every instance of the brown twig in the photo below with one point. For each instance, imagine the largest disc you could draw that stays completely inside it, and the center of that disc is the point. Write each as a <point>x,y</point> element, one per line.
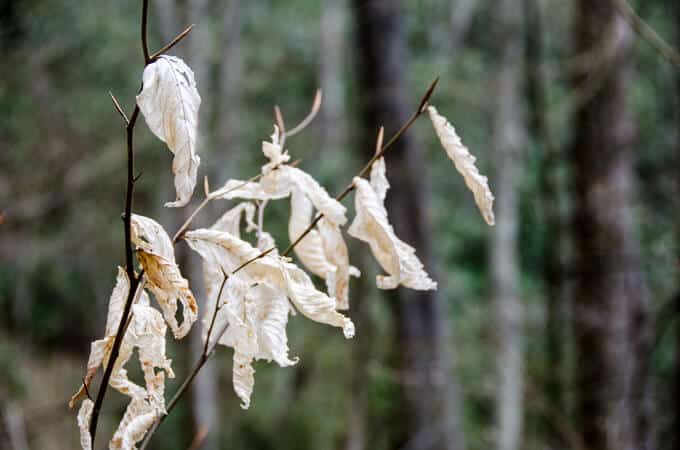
<point>145,44</point>
<point>214,316</point>
<point>206,355</point>
<point>172,43</point>
<point>316,105</point>
<point>647,32</point>
<point>119,109</point>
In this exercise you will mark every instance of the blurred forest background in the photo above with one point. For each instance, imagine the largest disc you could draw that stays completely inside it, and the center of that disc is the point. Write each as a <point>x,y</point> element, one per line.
<point>555,329</point>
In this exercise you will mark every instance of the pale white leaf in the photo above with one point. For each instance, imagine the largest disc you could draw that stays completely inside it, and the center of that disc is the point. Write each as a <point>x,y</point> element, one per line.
<point>465,164</point>
<point>156,255</point>
<point>137,420</point>
<point>323,250</point>
<point>84,417</point>
<point>397,258</point>
<point>169,102</point>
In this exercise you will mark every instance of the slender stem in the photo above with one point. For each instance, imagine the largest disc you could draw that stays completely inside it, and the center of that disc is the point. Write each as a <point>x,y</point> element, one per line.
<point>214,316</point>
<point>129,264</point>
<point>172,43</point>
<point>647,32</point>
<point>145,44</point>
<point>206,355</point>
<point>119,109</point>
<point>187,222</point>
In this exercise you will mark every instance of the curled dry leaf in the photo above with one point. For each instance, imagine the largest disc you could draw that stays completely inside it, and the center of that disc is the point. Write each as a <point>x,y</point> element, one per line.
<point>100,349</point>
<point>371,225</point>
<point>256,303</point>
<point>157,256</point>
<point>138,418</point>
<point>169,102</point>
<point>146,333</point>
<point>323,251</point>
<point>465,164</point>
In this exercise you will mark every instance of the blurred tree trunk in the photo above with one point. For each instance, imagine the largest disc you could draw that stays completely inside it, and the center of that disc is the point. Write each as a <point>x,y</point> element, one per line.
<point>332,114</point>
<point>423,415</point>
<point>461,14</point>
<point>230,71</point>
<point>507,140</point>
<point>610,298</point>
<point>551,200</point>
<point>675,423</point>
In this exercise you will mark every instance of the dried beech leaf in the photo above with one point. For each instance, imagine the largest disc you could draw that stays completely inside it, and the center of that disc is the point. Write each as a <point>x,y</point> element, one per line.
<point>169,102</point>
<point>371,225</point>
<point>138,418</point>
<point>157,256</point>
<point>465,164</point>
<point>100,349</point>
<point>309,250</point>
<point>323,251</point>
<point>231,220</point>
<point>84,416</point>
<point>378,179</point>
<point>256,303</point>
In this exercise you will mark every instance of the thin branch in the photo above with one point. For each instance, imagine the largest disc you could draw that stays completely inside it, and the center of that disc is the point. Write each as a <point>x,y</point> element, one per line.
<point>647,32</point>
<point>316,105</point>
<point>119,109</point>
<point>172,43</point>
<point>214,316</point>
<point>145,44</point>
<point>281,124</point>
<point>187,222</point>
<point>129,267</point>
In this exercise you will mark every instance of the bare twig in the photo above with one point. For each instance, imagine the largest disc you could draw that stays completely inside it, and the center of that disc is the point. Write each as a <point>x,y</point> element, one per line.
<point>172,43</point>
<point>647,32</point>
<point>119,109</point>
<point>206,355</point>
<point>145,44</point>
<point>278,117</point>
<point>316,105</point>
<point>129,264</point>
<point>214,316</point>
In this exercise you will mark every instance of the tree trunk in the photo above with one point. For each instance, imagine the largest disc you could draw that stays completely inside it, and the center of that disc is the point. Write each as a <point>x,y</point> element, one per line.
<point>424,416</point>
<point>332,114</point>
<point>551,194</point>
<point>204,390</point>
<point>507,140</point>
<point>231,68</point>
<point>461,14</point>
<point>610,299</point>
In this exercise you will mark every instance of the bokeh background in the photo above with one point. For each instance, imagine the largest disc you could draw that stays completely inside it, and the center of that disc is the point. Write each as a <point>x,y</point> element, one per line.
<point>555,329</point>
